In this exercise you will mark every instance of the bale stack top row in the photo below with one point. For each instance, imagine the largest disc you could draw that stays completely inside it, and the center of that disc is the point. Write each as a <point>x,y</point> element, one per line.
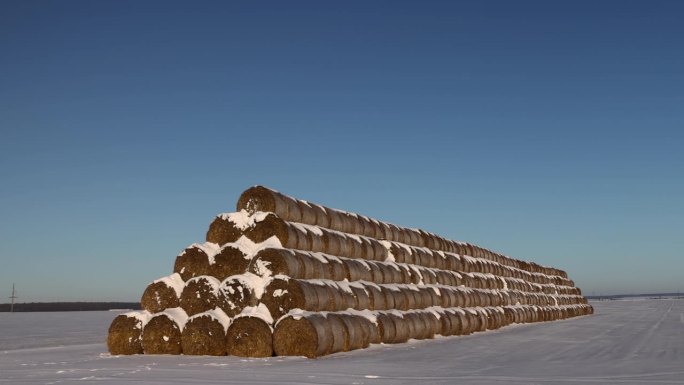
<point>287,277</point>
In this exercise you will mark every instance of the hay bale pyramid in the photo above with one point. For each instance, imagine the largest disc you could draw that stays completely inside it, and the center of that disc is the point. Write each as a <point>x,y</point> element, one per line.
<point>286,277</point>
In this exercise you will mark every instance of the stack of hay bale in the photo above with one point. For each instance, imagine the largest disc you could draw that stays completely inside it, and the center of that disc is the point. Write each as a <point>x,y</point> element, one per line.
<point>286,277</point>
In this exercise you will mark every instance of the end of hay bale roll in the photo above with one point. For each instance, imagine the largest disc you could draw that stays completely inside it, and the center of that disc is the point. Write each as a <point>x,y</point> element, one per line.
<point>162,334</point>
<point>223,230</point>
<point>272,261</point>
<point>236,293</point>
<point>200,294</point>
<point>204,334</point>
<point>267,226</point>
<point>260,198</point>
<point>162,294</point>
<point>125,333</point>
<point>284,294</point>
<point>249,337</point>
<point>195,260</point>
<point>298,335</point>
<point>229,260</point>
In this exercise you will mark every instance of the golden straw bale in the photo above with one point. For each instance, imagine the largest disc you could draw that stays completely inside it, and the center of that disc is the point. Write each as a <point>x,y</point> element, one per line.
<point>194,260</point>
<point>162,294</point>
<point>230,260</point>
<point>200,294</point>
<point>222,230</point>
<point>204,334</point>
<point>250,336</point>
<point>236,293</point>
<point>125,333</point>
<point>309,335</point>
<point>162,333</point>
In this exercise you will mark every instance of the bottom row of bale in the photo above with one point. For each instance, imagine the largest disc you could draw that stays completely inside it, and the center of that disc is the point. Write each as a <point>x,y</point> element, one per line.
<point>310,334</point>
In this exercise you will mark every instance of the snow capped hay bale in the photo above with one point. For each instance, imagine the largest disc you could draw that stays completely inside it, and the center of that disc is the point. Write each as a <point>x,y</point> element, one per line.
<point>224,230</point>
<point>358,270</point>
<point>125,333</point>
<point>361,296</point>
<point>291,235</point>
<point>200,294</point>
<point>162,294</point>
<point>204,334</point>
<point>259,198</point>
<point>236,293</point>
<point>402,329</point>
<point>270,262</point>
<point>194,260</point>
<point>356,335</point>
<point>162,334</point>
<point>376,296</point>
<point>250,334</point>
<point>229,260</point>
<point>309,335</point>
<point>387,329</point>
<point>284,294</point>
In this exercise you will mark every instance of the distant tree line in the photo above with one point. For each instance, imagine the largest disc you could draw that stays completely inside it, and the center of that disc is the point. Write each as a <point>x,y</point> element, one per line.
<point>69,306</point>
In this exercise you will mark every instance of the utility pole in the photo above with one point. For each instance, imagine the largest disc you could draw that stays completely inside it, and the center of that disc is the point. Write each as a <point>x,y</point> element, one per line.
<point>13,297</point>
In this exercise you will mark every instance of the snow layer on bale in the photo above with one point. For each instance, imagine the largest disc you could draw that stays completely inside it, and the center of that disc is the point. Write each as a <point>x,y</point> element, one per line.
<point>388,245</point>
<point>260,311</point>
<point>315,230</point>
<point>250,248</point>
<point>177,315</point>
<point>215,314</point>
<point>252,281</point>
<point>143,316</point>
<point>173,281</point>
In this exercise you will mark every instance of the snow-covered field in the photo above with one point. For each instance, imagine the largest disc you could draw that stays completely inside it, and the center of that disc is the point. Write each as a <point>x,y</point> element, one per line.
<point>625,342</point>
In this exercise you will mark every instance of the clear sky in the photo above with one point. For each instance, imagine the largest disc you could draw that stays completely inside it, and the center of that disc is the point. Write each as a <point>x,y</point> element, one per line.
<point>548,131</point>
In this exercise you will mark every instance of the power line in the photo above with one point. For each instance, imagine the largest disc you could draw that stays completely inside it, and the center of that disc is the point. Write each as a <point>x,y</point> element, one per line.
<point>13,297</point>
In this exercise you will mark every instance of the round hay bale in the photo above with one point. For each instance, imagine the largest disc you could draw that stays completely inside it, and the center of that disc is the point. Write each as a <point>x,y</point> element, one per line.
<point>249,336</point>
<point>271,262</point>
<point>260,198</point>
<point>273,226</point>
<point>361,296</point>
<point>162,294</point>
<point>322,218</point>
<point>222,230</point>
<point>308,335</point>
<point>358,270</point>
<point>402,328</point>
<point>358,330</point>
<point>125,333</point>
<point>401,300</point>
<point>284,294</point>
<point>315,265</point>
<point>236,293</point>
<point>387,330</point>
<point>336,297</point>
<point>204,334</point>
<point>400,253</point>
<point>376,296</point>
<point>230,260</point>
<point>389,296</point>
<point>194,260</point>
<point>341,333</point>
<point>375,271</point>
<point>337,269</point>
<point>200,294</point>
<point>162,333</point>
<point>307,211</point>
<point>464,318</point>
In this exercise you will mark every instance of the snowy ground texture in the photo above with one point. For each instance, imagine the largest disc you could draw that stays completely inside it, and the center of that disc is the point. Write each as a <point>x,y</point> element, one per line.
<point>625,342</point>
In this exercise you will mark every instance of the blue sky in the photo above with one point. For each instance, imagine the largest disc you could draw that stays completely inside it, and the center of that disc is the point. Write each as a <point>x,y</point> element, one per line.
<point>549,131</point>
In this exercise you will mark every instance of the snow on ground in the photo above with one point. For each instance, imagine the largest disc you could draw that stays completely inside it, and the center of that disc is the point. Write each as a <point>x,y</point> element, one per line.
<point>625,342</point>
